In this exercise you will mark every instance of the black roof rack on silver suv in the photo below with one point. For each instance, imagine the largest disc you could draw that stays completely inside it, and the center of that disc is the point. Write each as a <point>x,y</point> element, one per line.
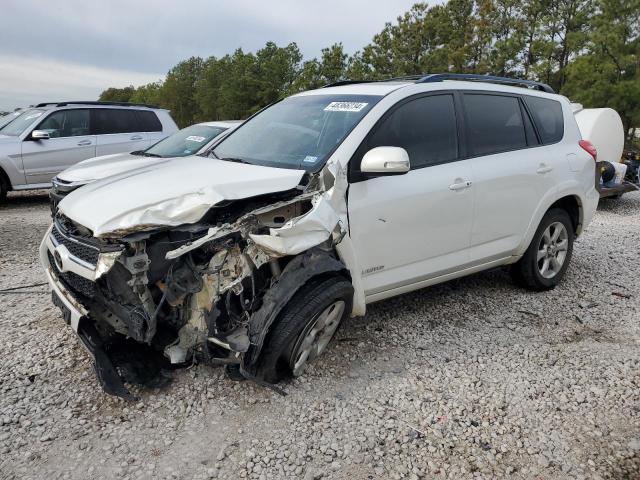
<point>116,104</point>
<point>468,77</point>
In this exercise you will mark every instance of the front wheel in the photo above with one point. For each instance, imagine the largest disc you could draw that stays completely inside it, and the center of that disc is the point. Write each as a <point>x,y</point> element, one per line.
<point>546,260</point>
<point>305,327</point>
<point>4,189</point>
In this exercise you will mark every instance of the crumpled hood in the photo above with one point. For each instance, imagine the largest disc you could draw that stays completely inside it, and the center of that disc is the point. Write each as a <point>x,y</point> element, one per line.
<point>169,192</point>
<point>102,167</point>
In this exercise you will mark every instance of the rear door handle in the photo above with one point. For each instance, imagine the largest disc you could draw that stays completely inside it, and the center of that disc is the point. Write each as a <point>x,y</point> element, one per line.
<point>543,168</point>
<point>136,137</point>
<point>84,143</point>
<point>460,185</point>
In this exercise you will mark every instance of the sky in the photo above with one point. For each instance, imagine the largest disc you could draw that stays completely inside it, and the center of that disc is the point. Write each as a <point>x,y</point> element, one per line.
<point>72,50</point>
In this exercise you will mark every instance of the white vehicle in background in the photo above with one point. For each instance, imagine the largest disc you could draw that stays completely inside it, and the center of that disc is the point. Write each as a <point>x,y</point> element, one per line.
<point>50,137</point>
<point>188,141</point>
<point>329,200</point>
<point>9,117</point>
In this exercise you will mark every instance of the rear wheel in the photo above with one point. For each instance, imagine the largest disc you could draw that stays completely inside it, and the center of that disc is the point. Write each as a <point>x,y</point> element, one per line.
<point>305,328</point>
<point>546,260</point>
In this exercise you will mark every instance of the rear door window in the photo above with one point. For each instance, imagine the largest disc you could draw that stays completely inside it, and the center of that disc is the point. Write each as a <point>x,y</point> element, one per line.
<point>67,123</point>
<point>425,127</point>
<point>110,121</point>
<point>547,115</point>
<point>148,121</point>
<point>494,124</point>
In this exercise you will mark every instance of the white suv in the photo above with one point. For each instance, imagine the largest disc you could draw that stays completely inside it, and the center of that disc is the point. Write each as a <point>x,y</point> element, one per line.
<point>46,139</point>
<point>253,253</point>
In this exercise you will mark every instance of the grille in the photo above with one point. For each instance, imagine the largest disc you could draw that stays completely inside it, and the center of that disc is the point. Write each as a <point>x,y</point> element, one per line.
<point>73,281</point>
<point>82,251</point>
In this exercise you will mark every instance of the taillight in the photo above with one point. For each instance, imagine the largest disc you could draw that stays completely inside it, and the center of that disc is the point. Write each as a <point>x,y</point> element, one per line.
<point>589,148</point>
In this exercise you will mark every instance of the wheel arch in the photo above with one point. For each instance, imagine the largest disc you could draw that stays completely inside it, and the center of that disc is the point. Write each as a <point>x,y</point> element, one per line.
<point>312,265</point>
<point>573,206</point>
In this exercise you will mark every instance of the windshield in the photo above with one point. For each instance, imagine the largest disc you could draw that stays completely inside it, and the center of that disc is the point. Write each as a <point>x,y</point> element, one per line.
<point>21,123</point>
<point>5,119</point>
<point>184,142</point>
<point>298,132</point>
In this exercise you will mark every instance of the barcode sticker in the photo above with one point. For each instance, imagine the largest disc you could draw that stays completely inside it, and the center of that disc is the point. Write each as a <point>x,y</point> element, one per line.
<point>345,107</point>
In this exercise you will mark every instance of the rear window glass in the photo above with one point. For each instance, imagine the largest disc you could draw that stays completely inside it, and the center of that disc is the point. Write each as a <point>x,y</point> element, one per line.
<point>115,121</point>
<point>494,124</point>
<point>148,121</point>
<point>547,115</point>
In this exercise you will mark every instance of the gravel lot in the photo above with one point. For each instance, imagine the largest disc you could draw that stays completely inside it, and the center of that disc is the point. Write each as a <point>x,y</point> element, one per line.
<point>474,378</point>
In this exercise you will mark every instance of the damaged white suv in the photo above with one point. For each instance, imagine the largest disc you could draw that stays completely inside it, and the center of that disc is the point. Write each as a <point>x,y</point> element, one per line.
<point>252,254</point>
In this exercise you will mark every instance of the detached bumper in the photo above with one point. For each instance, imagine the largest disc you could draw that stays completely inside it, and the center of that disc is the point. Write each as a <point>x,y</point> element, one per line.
<point>77,317</point>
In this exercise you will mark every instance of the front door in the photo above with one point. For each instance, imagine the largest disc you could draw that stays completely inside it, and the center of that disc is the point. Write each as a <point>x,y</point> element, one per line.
<point>412,227</point>
<point>70,141</point>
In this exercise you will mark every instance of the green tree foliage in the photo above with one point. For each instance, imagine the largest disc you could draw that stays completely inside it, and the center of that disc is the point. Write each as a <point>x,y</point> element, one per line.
<point>117,94</point>
<point>586,49</point>
<point>608,73</point>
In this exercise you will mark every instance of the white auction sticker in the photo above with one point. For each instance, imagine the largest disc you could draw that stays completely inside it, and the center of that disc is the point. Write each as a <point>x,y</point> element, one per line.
<point>310,159</point>
<point>345,107</point>
<point>195,138</point>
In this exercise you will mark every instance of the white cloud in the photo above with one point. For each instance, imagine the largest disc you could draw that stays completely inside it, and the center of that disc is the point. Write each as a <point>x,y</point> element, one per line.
<point>30,80</point>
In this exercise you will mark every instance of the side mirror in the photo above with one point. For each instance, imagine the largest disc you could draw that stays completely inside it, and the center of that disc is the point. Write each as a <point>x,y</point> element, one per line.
<point>390,160</point>
<point>40,135</point>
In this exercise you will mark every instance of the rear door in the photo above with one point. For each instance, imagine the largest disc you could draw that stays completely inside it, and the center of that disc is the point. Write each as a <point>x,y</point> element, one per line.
<point>512,172</point>
<point>412,227</point>
<point>118,131</point>
<point>70,142</point>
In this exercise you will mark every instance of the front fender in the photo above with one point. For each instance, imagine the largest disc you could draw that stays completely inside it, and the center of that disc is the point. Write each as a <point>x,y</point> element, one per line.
<point>11,165</point>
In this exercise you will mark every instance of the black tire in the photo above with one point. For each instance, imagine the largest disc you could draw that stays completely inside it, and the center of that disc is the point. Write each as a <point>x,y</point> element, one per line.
<point>4,188</point>
<point>526,272</point>
<point>294,319</point>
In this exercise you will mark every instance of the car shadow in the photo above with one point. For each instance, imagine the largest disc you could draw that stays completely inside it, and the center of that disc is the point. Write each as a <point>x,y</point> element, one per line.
<point>25,198</point>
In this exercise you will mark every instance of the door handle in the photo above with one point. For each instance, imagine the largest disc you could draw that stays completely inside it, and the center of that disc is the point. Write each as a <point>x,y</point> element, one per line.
<point>136,137</point>
<point>544,168</point>
<point>84,143</point>
<point>460,186</point>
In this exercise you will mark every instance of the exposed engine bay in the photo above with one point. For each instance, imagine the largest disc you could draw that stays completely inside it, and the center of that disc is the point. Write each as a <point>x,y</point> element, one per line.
<point>206,291</point>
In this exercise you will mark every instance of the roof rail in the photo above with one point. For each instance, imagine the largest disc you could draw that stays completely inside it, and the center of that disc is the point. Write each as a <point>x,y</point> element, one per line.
<point>439,77</point>
<point>114,104</point>
<point>346,82</point>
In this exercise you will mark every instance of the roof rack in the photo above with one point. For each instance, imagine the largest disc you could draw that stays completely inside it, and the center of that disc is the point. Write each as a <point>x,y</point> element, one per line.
<point>468,77</point>
<point>113,104</point>
<point>439,77</point>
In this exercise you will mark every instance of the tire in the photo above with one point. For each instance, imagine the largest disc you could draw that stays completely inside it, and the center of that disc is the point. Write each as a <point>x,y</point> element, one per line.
<point>296,323</point>
<point>4,188</point>
<point>529,271</point>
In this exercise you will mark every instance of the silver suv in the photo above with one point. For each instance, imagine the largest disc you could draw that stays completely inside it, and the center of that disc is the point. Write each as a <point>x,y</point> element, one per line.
<point>50,137</point>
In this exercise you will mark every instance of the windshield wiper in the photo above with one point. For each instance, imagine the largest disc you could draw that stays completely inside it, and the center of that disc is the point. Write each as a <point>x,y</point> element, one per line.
<point>235,160</point>
<point>155,155</point>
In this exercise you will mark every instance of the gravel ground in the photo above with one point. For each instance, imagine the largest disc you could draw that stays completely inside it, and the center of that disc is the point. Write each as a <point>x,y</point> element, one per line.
<point>473,378</point>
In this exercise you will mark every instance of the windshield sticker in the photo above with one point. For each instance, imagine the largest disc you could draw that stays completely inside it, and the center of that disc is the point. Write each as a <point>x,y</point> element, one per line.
<point>345,107</point>
<point>195,138</point>
<point>310,159</point>
<point>33,115</point>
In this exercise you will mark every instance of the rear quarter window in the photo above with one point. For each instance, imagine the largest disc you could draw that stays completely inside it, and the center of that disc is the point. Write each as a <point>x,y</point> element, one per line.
<point>148,121</point>
<point>547,115</point>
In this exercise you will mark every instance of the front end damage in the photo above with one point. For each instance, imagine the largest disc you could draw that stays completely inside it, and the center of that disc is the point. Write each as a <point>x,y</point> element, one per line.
<point>145,297</point>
